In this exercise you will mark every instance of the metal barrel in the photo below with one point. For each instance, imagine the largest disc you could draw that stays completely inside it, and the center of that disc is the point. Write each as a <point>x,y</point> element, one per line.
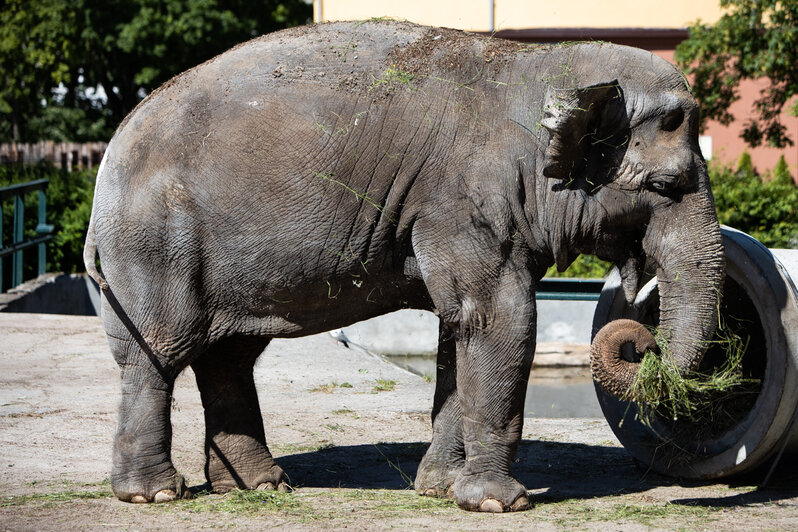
<point>759,293</point>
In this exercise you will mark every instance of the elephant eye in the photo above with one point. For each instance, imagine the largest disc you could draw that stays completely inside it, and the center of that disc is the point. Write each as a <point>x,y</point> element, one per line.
<point>662,185</point>
<point>673,120</point>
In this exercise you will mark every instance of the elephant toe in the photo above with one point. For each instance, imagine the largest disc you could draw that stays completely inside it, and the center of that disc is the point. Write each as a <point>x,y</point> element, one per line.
<point>165,496</point>
<point>270,486</point>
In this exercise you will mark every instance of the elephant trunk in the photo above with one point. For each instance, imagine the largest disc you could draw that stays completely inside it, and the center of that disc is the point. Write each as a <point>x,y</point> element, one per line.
<point>686,244</point>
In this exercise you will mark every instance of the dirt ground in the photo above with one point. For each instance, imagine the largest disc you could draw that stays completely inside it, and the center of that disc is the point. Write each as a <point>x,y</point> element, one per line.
<point>348,428</point>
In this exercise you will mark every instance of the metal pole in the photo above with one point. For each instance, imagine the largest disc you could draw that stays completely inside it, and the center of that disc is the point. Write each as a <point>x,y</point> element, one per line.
<point>42,223</point>
<point>318,11</point>
<point>19,230</point>
<point>492,15</point>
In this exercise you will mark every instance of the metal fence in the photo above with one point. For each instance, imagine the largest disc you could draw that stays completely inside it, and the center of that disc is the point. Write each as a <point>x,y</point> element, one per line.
<point>44,231</point>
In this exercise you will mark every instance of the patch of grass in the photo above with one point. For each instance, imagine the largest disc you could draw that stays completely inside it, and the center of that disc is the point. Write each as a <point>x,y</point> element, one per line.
<point>51,499</point>
<point>343,411</point>
<point>393,77</point>
<point>384,385</point>
<point>573,512</point>
<point>330,387</point>
<point>239,502</point>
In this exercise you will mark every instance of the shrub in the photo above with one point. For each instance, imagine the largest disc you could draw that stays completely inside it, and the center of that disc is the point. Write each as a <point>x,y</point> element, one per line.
<point>762,206</point>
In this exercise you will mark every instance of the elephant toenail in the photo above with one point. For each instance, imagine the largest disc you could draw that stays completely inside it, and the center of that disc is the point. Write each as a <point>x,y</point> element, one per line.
<point>265,486</point>
<point>165,496</point>
<point>284,487</point>
<point>520,504</point>
<point>431,492</point>
<point>138,499</point>
<point>491,505</point>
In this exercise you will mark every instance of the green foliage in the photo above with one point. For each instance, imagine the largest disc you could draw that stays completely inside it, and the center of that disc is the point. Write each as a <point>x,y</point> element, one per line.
<point>754,39</point>
<point>56,54</point>
<point>585,266</point>
<point>762,206</point>
<point>69,198</point>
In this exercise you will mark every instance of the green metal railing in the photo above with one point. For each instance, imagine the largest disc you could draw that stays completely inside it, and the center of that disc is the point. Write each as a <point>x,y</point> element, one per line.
<point>18,243</point>
<point>570,289</point>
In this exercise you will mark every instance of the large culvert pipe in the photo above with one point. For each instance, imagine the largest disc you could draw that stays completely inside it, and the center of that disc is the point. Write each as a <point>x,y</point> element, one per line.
<point>760,294</point>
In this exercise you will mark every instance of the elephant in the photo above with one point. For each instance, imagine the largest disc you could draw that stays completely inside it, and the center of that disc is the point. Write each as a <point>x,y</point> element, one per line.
<point>322,175</point>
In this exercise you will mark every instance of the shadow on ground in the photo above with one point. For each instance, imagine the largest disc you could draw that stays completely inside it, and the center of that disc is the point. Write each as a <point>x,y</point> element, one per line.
<point>552,470</point>
<point>570,469</point>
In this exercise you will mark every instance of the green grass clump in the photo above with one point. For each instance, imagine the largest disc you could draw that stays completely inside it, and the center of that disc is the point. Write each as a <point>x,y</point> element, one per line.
<point>705,397</point>
<point>244,502</point>
<point>384,385</point>
<point>49,499</point>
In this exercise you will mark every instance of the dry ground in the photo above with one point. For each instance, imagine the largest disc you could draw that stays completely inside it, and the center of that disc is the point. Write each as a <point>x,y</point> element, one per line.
<point>348,428</point>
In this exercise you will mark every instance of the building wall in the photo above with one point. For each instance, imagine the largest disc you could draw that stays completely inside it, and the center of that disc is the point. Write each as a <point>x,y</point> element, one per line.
<point>651,24</point>
<point>475,15</point>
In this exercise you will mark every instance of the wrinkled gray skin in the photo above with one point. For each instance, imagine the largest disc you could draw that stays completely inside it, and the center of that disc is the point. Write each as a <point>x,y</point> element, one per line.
<point>327,174</point>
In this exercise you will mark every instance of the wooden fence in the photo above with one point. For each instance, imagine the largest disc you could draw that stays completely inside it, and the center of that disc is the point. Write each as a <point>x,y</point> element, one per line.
<point>69,155</point>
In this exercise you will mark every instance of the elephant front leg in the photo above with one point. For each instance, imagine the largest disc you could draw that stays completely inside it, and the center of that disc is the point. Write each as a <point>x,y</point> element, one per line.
<point>236,455</point>
<point>445,457</point>
<point>494,356</point>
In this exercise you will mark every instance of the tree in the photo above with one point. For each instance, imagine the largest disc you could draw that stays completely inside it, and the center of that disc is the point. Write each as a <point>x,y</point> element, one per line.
<point>754,39</point>
<point>74,68</point>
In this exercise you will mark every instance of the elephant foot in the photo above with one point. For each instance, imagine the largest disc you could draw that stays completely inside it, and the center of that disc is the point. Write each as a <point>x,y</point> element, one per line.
<point>435,477</point>
<point>490,492</point>
<point>268,477</point>
<point>151,491</point>
<point>436,482</point>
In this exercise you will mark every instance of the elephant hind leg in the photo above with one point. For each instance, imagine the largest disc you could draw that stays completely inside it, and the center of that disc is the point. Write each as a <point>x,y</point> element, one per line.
<point>236,455</point>
<point>142,465</point>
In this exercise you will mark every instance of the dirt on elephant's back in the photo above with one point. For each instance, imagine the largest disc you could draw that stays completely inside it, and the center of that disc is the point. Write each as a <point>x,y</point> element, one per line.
<point>455,51</point>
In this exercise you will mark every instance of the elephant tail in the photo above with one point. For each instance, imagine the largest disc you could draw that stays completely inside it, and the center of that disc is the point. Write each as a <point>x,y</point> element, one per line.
<point>90,255</point>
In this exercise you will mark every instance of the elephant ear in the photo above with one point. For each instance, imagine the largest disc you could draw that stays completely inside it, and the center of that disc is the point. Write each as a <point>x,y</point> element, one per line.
<point>574,116</point>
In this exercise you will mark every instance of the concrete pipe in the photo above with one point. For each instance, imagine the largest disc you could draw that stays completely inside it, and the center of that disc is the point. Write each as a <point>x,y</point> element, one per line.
<point>760,293</point>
